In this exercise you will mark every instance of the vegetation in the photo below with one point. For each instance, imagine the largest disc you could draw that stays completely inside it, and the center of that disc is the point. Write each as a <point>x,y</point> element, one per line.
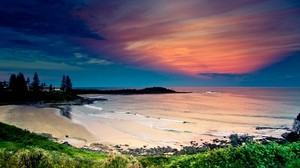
<point>66,84</point>
<point>20,148</point>
<point>151,90</point>
<point>36,83</point>
<point>20,91</point>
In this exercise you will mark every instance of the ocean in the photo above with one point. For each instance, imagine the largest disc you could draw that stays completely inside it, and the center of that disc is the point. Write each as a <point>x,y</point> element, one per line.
<point>177,119</point>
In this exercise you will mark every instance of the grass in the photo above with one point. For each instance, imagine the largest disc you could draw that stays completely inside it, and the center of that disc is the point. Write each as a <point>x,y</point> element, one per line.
<point>20,148</point>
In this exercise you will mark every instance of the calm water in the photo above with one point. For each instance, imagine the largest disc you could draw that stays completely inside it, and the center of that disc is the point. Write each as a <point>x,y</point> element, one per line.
<point>203,113</point>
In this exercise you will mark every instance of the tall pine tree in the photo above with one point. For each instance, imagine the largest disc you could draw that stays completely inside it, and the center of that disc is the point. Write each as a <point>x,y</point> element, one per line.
<point>63,84</point>
<point>13,82</point>
<point>21,86</point>
<point>35,83</point>
<point>68,84</point>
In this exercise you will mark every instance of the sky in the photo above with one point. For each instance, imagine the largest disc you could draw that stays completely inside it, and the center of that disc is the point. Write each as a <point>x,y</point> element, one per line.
<point>142,43</point>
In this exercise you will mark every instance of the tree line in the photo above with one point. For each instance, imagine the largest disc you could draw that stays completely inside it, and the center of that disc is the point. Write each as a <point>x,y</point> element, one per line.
<point>18,84</point>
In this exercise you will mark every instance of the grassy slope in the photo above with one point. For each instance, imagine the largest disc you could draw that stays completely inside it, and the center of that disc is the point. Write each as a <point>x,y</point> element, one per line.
<point>19,148</point>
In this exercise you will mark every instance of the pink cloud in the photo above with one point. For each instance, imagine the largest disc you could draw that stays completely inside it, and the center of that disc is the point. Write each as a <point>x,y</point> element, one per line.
<point>196,36</point>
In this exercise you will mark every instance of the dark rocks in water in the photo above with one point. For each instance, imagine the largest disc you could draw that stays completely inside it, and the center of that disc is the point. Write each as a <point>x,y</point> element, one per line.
<point>277,140</point>
<point>291,137</point>
<point>294,135</point>
<point>236,140</point>
<point>275,128</point>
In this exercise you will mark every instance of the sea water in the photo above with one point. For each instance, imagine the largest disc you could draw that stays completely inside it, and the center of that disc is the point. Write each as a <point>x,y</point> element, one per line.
<point>205,113</point>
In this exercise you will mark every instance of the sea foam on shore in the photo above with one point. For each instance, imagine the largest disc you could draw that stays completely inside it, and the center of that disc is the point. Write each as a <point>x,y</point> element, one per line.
<point>176,119</point>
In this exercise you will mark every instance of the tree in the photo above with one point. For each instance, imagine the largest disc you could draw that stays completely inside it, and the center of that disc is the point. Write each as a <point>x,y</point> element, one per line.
<point>68,84</point>
<point>50,88</point>
<point>21,86</point>
<point>63,83</point>
<point>35,83</point>
<point>13,82</point>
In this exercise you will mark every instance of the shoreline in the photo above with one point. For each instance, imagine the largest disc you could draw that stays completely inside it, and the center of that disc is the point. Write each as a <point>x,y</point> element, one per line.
<point>49,122</point>
<point>46,121</point>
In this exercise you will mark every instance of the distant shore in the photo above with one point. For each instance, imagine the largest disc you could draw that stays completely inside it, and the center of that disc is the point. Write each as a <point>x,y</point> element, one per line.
<point>150,90</point>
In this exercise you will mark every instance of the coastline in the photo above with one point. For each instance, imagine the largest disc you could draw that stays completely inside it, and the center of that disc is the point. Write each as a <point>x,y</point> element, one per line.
<point>144,131</point>
<point>51,123</point>
<point>46,121</point>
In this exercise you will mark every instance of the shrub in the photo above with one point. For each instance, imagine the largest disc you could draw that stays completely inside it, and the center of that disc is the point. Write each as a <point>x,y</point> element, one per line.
<point>121,161</point>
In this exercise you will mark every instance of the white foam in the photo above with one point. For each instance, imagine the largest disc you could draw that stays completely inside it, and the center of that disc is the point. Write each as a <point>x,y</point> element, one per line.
<point>170,120</point>
<point>212,92</point>
<point>95,97</point>
<point>93,107</point>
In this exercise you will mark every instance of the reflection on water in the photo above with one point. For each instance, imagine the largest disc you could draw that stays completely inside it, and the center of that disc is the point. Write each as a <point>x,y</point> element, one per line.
<point>206,111</point>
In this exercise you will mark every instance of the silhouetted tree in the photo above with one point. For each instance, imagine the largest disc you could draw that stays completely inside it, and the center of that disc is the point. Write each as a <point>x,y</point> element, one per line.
<point>35,83</point>
<point>13,82</point>
<point>63,84</point>
<point>21,86</point>
<point>68,84</point>
<point>50,88</point>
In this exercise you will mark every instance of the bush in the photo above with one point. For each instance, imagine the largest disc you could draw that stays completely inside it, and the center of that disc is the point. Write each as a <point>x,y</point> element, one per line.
<point>154,161</point>
<point>121,161</point>
<point>251,155</point>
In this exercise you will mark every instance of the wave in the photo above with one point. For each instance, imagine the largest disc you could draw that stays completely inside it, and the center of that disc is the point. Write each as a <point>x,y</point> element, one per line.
<point>143,116</point>
<point>170,120</point>
<point>173,130</point>
<point>95,97</point>
<point>211,92</point>
<point>248,115</point>
<point>93,107</point>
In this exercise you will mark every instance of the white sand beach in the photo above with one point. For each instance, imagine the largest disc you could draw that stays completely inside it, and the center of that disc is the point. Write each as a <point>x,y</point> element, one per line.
<point>156,120</point>
<point>45,120</point>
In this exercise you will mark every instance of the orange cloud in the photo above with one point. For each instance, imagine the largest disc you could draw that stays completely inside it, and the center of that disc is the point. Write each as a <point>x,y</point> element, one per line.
<point>196,36</point>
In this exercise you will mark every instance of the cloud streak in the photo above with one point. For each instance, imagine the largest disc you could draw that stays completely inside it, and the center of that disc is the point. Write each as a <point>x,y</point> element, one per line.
<point>44,18</point>
<point>37,65</point>
<point>196,36</point>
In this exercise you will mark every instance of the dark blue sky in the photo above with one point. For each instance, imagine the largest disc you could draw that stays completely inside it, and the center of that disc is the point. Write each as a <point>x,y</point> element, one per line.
<point>138,43</point>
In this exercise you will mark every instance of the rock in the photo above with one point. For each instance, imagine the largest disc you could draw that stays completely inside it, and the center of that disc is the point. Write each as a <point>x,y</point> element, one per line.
<point>296,126</point>
<point>291,137</point>
<point>66,143</point>
<point>294,135</point>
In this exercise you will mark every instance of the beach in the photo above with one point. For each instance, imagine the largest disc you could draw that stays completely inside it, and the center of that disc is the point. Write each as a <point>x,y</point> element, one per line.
<point>177,119</point>
<point>134,121</point>
<point>47,121</point>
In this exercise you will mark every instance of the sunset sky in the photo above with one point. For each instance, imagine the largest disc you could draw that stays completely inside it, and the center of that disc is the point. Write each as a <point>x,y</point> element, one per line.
<point>139,43</point>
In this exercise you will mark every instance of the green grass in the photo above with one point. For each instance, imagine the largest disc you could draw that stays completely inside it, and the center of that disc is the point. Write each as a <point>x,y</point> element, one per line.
<point>20,148</point>
<point>251,155</point>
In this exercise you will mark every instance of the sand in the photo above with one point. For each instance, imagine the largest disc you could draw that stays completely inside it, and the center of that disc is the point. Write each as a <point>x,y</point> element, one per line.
<point>46,120</point>
<point>206,118</point>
